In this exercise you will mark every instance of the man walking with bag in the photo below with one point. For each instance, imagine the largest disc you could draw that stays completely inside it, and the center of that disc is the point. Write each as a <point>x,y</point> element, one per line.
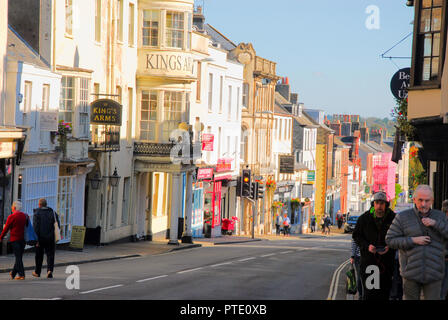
<point>15,224</point>
<point>44,225</point>
<point>370,235</point>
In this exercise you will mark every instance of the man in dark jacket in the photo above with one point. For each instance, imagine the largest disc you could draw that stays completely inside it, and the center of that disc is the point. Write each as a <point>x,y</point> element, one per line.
<point>369,234</point>
<point>420,234</point>
<point>43,222</point>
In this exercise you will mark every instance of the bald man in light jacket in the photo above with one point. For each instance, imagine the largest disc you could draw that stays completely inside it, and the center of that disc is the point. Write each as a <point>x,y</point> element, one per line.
<point>420,234</point>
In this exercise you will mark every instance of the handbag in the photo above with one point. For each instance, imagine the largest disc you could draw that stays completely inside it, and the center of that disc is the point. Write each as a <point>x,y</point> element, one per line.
<point>30,235</point>
<point>351,286</point>
<point>57,231</point>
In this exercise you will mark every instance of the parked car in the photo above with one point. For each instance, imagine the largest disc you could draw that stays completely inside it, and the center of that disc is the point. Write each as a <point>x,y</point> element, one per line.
<point>350,224</point>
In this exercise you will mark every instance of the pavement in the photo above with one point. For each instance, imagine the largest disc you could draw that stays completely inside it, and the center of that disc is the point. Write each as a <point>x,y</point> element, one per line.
<point>115,251</point>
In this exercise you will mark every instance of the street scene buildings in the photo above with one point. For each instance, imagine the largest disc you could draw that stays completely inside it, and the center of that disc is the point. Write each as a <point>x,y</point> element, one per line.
<point>136,118</point>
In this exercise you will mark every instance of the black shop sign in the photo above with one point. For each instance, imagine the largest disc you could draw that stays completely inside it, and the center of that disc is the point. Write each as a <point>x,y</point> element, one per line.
<point>105,112</point>
<point>400,83</point>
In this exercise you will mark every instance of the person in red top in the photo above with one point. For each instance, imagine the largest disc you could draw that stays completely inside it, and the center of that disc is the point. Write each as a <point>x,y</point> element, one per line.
<point>15,224</point>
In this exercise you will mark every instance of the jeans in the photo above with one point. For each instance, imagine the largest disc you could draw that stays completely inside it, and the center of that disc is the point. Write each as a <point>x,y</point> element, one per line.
<point>412,290</point>
<point>49,248</point>
<point>18,247</point>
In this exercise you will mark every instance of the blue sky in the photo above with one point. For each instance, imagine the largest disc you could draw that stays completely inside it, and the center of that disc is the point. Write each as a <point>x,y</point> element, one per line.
<point>333,61</point>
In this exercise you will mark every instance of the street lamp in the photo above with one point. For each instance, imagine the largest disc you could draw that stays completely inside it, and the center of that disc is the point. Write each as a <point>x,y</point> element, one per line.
<point>114,178</point>
<point>96,181</point>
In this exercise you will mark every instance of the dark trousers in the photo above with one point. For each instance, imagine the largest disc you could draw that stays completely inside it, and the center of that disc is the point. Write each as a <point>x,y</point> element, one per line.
<point>359,282</point>
<point>277,229</point>
<point>49,248</point>
<point>385,283</point>
<point>18,247</point>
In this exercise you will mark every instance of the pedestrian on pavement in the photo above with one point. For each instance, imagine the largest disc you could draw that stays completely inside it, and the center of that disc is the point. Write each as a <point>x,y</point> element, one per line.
<point>43,222</point>
<point>322,224</point>
<point>278,223</point>
<point>420,234</point>
<point>355,260</point>
<point>327,224</point>
<point>369,234</point>
<point>313,223</point>
<point>286,224</point>
<point>339,219</point>
<point>444,292</point>
<point>15,224</point>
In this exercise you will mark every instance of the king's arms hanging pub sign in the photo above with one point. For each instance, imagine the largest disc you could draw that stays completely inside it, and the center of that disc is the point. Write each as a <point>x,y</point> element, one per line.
<point>105,112</point>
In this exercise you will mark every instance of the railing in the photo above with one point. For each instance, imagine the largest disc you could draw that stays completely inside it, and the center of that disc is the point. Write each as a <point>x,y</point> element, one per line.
<point>177,152</point>
<point>105,139</point>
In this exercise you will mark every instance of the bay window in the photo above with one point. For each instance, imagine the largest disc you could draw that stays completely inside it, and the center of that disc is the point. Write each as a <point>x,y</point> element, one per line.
<point>428,38</point>
<point>151,22</point>
<point>161,112</point>
<point>174,29</point>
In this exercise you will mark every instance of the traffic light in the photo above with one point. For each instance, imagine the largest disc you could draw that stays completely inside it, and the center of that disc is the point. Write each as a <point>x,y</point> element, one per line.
<point>246,183</point>
<point>238,187</point>
<point>260,193</point>
<point>253,190</point>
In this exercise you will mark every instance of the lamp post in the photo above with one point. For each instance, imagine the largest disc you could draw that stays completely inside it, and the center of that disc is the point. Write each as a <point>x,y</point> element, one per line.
<point>114,179</point>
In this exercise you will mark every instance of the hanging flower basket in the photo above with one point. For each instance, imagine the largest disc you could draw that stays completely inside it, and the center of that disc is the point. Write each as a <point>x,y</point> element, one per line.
<point>277,204</point>
<point>64,130</point>
<point>271,184</point>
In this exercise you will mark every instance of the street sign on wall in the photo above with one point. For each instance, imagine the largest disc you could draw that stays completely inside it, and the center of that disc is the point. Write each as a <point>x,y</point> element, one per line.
<point>311,176</point>
<point>48,121</point>
<point>286,164</point>
<point>207,141</point>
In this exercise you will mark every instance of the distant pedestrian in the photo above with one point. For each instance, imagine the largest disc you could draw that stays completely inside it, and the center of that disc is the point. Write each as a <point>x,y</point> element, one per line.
<point>322,224</point>
<point>355,260</point>
<point>15,224</point>
<point>420,234</point>
<point>327,224</point>
<point>43,222</point>
<point>286,224</point>
<point>370,234</point>
<point>339,219</point>
<point>444,293</point>
<point>313,223</point>
<point>278,223</point>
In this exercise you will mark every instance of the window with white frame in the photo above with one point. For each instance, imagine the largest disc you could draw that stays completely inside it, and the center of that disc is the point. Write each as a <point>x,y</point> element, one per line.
<point>83,108</point>
<point>98,20</point>
<point>151,25</point>
<point>45,97</point>
<point>174,35</point>
<point>245,95</point>
<point>120,20</point>
<point>66,104</point>
<point>173,112</point>
<point>148,116</point>
<point>27,97</point>
<point>238,92</point>
<point>210,92</point>
<point>221,89</point>
<point>131,24</point>
<point>67,185</point>
<point>230,103</point>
